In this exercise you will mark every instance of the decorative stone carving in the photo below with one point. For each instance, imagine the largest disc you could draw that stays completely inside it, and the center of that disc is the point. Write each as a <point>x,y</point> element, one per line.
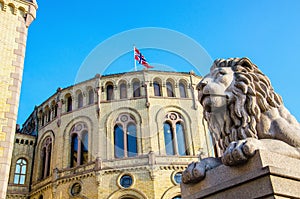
<point>244,114</point>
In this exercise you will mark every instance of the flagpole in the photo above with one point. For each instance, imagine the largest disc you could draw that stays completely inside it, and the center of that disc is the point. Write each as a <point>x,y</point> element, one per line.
<point>134,58</point>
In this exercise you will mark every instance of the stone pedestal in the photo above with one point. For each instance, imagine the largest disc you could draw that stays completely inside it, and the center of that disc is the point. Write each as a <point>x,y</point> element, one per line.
<point>266,175</point>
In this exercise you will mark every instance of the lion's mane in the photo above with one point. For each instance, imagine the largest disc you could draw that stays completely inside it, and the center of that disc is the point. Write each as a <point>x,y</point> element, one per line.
<point>252,94</point>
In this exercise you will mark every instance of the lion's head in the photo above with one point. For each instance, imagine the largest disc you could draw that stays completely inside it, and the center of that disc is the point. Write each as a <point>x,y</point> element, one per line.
<point>233,96</point>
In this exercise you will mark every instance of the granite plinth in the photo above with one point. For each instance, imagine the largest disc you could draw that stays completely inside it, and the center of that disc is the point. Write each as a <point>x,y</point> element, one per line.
<point>266,175</point>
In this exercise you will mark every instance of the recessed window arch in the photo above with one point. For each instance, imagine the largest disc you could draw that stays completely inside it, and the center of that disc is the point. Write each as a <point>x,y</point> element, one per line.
<point>125,136</point>
<point>11,8</point>
<point>20,171</point>
<point>46,151</point>
<point>157,87</point>
<point>182,90</point>
<point>79,144</point>
<point>91,96</point>
<point>170,89</point>
<point>69,102</point>
<point>123,90</point>
<point>79,99</point>
<point>109,91</point>
<point>174,134</point>
<point>136,88</point>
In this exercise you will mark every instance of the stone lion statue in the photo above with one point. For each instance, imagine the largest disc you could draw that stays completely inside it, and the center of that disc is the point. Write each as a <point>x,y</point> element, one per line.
<point>244,114</point>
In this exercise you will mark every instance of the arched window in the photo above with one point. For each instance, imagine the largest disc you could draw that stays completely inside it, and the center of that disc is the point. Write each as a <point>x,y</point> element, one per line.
<point>46,157</point>
<point>182,90</point>
<point>55,110</point>
<point>80,100</point>
<point>123,91</point>
<point>174,135</point>
<point>11,8</point>
<point>69,103</point>
<point>1,5</point>
<point>125,140</point>
<point>79,145</point>
<point>170,91</point>
<point>168,139</point>
<point>110,92</point>
<point>157,88</point>
<point>136,89</point>
<point>20,171</point>
<point>91,96</point>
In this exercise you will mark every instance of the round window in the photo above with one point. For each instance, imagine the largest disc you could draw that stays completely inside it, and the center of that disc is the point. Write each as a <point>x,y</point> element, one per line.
<point>75,189</point>
<point>177,177</point>
<point>126,181</point>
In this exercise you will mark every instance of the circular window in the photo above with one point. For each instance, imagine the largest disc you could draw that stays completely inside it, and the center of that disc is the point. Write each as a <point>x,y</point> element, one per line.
<point>75,189</point>
<point>177,197</point>
<point>126,181</point>
<point>177,177</point>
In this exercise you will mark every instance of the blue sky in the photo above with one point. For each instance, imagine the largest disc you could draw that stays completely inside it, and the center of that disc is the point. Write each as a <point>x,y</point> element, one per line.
<point>66,32</point>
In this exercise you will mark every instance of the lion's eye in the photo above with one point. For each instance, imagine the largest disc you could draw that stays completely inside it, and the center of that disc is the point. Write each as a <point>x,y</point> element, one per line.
<point>221,73</point>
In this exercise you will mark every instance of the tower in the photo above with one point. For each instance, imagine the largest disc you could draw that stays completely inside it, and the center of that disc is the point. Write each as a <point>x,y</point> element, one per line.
<point>16,16</point>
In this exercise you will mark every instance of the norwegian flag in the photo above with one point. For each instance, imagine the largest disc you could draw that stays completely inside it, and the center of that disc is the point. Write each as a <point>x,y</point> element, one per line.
<point>141,59</point>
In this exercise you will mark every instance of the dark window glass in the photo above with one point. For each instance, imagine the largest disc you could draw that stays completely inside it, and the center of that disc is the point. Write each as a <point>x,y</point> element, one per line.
<point>168,139</point>
<point>48,115</point>
<point>55,110</point>
<point>43,162</point>
<point>157,89</point>
<point>20,171</point>
<point>123,91</point>
<point>75,189</point>
<point>182,90</point>
<point>69,104</point>
<point>91,96</point>
<point>49,160</point>
<point>170,92</point>
<point>80,100</point>
<point>84,148</point>
<point>180,139</point>
<point>131,140</point>
<point>74,150</point>
<point>119,141</point>
<point>126,181</point>
<point>110,92</point>
<point>136,89</point>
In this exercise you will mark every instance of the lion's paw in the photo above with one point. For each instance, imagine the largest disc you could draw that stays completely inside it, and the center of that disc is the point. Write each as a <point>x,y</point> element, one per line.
<point>196,171</point>
<point>239,152</point>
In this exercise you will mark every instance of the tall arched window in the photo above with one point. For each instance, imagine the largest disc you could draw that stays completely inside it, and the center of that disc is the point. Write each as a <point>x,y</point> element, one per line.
<point>46,157</point>
<point>80,100</point>
<point>79,144</point>
<point>20,171</point>
<point>182,90</point>
<point>157,88</point>
<point>125,141</point>
<point>123,91</point>
<point>91,96</point>
<point>136,89</point>
<point>174,135</point>
<point>69,103</point>
<point>109,92</point>
<point>170,91</point>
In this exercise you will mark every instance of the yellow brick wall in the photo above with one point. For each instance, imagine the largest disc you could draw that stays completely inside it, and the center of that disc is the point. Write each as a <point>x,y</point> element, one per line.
<point>13,35</point>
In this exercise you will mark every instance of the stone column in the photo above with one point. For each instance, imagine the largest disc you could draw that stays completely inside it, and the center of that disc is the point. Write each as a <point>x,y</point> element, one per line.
<point>16,16</point>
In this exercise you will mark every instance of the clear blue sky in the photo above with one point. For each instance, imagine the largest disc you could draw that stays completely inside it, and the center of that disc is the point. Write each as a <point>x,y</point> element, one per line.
<point>65,32</point>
